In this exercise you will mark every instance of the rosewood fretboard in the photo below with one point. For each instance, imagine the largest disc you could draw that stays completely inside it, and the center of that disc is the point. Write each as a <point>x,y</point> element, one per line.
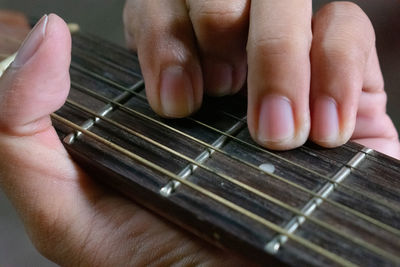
<point>309,206</point>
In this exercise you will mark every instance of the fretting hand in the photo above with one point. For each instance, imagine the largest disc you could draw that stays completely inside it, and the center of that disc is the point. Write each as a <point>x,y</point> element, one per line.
<point>74,221</point>
<point>71,219</point>
<point>308,76</point>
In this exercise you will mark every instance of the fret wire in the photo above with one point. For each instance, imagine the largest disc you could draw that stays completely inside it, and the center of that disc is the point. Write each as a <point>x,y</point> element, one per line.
<point>274,245</point>
<point>128,71</point>
<point>105,110</point>
<point>171,186</point>
<point>207,193</point>
<point>340,186</point>
<point>334,203</point>
<point>277,202</point>
<point>134,56</point>
<point>346,146</point>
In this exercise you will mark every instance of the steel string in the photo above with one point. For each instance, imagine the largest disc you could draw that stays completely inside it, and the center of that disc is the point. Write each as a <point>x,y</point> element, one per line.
<point>383,203</point>
<point>207,193</point>
<point>129,130</point>
<point>340,206</point>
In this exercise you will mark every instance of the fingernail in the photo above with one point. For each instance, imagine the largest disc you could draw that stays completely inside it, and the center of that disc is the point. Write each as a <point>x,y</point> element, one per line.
<point>325,120</point>
<point>176,92</point>
<point>31,43</point>
<point>218,78</point>
<point>276,122</point>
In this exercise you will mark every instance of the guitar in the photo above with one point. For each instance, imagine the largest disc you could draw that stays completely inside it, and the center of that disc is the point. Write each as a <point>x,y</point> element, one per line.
<point>304,207</point>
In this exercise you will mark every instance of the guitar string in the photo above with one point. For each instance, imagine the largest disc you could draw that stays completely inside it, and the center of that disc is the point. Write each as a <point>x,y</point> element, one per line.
<point>126,53</point>
<point>275,201</point>
<point>309,151</point>
<point>362,193</point>
<point>229,204</point>
<point>340,185</point>
<point>336,204</point>
<point>105,61</point>
<point>94,39</point>
<point>134,57</point>
<point>304,149</point>
<point>270,225</point>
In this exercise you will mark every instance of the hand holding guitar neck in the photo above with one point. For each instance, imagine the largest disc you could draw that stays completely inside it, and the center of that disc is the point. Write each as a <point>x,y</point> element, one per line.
<point>72,220</point>
<point>75,221</point>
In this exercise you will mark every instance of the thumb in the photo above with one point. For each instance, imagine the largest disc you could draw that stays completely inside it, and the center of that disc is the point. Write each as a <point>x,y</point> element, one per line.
<point>37,82</point>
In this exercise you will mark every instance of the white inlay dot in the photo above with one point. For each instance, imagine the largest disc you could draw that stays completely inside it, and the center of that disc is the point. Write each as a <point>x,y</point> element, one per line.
<point>267,167</point>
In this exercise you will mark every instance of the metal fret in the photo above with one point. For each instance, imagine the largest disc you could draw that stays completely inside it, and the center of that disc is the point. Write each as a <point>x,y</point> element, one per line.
<point>274,245</point>
<point>120,87</point>
<point>209,194</point>
<point>193,164</point>
<point>340,206</point>
<point>244,186</point>
<point>283,234</point>
<point>169,188</point>
<point>69,139</point>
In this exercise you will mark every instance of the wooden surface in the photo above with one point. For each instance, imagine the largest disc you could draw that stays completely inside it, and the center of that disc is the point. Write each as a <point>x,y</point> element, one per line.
<point>364,207</point>
<point>107,23</point>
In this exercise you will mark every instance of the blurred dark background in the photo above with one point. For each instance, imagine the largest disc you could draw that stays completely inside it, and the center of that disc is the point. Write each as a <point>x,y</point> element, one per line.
<point>103,17</point>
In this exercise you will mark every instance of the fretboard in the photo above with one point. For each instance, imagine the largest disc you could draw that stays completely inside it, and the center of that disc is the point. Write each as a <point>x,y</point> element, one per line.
<point>308,206</point>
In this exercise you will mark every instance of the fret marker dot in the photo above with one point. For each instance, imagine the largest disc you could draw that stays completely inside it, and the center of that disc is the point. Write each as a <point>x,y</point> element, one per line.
<point>267,167</point>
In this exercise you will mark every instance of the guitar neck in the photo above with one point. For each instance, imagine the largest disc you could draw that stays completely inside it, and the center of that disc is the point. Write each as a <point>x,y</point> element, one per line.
<point>308,206</point>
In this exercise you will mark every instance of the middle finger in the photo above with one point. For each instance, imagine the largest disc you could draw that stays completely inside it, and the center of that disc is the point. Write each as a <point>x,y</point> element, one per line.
<point>279,72</point>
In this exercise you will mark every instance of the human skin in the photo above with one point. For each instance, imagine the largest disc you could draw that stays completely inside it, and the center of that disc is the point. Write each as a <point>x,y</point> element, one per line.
<point>308,76</point>
<point>74,221</point>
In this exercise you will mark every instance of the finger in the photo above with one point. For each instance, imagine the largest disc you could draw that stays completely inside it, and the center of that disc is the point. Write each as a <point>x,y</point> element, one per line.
<point>374,127</point>
<point>221,32</point>
<point>343,43</point>
<point>70,219</point>
<point>162,33</point>
<point>34,86</point>
<point>279,72</point>
<point>37,80</point>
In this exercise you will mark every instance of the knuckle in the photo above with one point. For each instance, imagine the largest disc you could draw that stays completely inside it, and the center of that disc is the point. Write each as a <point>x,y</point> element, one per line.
<point>342,8</point>
<point>279,45</point>
<point>343,49</point>
<point>340,50</point>
<point>345,11</point>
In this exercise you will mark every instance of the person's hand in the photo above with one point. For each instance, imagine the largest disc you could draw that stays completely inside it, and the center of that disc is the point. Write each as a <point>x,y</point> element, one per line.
<point>71,219</point>
<point>308,76</point>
